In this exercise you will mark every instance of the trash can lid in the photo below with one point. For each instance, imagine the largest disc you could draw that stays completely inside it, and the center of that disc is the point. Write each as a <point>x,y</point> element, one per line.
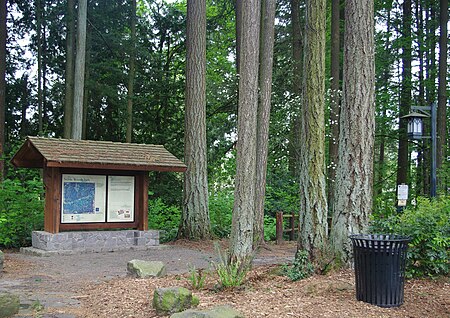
<point>380,237</point>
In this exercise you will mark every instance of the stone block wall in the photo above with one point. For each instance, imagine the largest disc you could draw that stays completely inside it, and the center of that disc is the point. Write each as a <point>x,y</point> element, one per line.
<point>94,241</point>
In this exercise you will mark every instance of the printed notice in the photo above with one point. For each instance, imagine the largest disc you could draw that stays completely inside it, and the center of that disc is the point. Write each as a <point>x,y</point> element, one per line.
<point>83,198</point>
<point>120,199</point>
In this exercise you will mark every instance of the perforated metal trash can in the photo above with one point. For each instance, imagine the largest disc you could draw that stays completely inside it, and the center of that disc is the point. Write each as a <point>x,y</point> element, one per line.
<point>380,268</point>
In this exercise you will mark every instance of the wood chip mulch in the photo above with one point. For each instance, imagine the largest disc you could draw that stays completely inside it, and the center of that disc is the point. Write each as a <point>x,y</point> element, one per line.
<point>267,294</point>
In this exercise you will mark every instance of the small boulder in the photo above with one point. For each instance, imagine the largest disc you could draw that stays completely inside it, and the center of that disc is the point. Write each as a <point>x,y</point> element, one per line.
<point>9,305</point>
<point>216,312</point>
<point>171,300</point>
<point>145,269</point>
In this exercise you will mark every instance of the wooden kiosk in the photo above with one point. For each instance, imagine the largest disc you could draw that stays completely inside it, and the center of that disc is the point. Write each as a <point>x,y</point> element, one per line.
<point>93,185</point>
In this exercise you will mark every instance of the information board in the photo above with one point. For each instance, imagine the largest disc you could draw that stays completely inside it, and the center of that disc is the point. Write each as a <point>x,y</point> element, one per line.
<point>120,206</point>
<point>83,198</point>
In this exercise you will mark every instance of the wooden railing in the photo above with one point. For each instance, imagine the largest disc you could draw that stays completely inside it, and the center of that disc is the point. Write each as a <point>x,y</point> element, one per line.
<point>280,229</point>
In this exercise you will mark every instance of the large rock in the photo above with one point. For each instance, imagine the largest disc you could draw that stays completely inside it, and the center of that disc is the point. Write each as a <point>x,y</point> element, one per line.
<point>9,305</point>
<point>144,269</point>
<point>172,299</point>
<point>217,312</point>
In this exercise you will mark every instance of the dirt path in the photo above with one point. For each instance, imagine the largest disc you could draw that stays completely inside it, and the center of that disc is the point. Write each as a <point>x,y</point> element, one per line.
<point>54,281</point>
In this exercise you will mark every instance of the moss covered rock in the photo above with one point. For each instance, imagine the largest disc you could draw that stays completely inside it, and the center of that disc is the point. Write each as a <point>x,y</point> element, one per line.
<point>216,312</point>
<point>145,269</point>
<point>172,299</point>
<point>9,305</point>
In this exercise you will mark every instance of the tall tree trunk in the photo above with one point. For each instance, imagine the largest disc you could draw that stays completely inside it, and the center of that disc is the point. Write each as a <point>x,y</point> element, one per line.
<point>335,99</point>
<point>405,95</point>
<point>3,13</point>
<point>77,122</point>
<point>195,220</point>
<point>354,175</point>
<point>244,195</point>
<point>44,63</point>
<point>313,200</point>
<point>87,74</point>
<point>420,186</point>
<point>297,63</point>
<point>265,91</point>
<point>430,84</point>
<point>70,58</point>
<point>24,99</point>
<point>131,73</point>
<point>385,87</point>
<point>442,91</point>
<point>39,62</point>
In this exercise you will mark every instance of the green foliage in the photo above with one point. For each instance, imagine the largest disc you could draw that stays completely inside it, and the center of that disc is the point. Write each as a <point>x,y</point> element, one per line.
<point>21,211</point>
<point>428,225</point>
<point>197,277</point>
<point>220,210</point>
<point>164,218</point>
<point>270,228</point>
<point>231,272</point>
<point>301,268</point>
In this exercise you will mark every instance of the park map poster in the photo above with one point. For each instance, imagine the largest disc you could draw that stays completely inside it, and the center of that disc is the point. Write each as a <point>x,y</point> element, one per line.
<point>83,198</point>
<point>120,199</point>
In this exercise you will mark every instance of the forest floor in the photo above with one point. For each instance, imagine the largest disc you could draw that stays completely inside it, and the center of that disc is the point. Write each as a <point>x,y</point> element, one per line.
<point>96,285</point>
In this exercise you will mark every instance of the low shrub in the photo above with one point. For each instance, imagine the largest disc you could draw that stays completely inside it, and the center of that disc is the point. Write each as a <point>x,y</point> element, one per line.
<point>21,211</point>
<point>231,272</point>
<point>164,218</point>
<point>428,226</point>
<point>220,211</point>
<point>300,268</point>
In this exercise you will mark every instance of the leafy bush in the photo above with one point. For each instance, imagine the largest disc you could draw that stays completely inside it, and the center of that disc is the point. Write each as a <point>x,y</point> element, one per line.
<point>270,228</point>
<point>220,211</point>
<point>301,268</point>
<point>164,218</point>
<point>428,225</point>
<point>21,211</point>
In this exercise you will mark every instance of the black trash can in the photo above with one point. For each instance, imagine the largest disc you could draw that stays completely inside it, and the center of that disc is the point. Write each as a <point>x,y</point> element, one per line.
<point>380,268</point>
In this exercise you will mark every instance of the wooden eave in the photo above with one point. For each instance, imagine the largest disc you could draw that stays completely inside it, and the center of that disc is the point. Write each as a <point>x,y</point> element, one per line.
<point>39,152</point>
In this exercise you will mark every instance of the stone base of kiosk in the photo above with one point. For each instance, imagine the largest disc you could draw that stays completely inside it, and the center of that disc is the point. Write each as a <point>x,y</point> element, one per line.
<point>90,241</point>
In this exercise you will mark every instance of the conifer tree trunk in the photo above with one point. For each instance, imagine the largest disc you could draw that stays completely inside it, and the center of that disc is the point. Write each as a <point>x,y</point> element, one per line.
<point>334,100</point>
<point>241,242</point>
<point>265,92</point>
<point>38,5</point>
<point>131,73</point>
<point>405,95</point>
<point>382,126</point>
<point>195,219</point>
<point>354,175</point>
<point>24,100</point>
<point>442,90</point>
<point>297,65</point>
<point>87,74</point>
<point>3,14</point>
<point>313,200</point>
<point>77,120</point>
<point>70,58</point>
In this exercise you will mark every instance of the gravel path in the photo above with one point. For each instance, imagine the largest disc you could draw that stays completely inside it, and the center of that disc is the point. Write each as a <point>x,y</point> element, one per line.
<point>53,281</point>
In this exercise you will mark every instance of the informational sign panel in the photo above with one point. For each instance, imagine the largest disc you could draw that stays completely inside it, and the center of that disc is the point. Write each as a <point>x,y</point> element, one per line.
<point>120,199</point>
<point>83,198</point>
<point>402,192</point>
